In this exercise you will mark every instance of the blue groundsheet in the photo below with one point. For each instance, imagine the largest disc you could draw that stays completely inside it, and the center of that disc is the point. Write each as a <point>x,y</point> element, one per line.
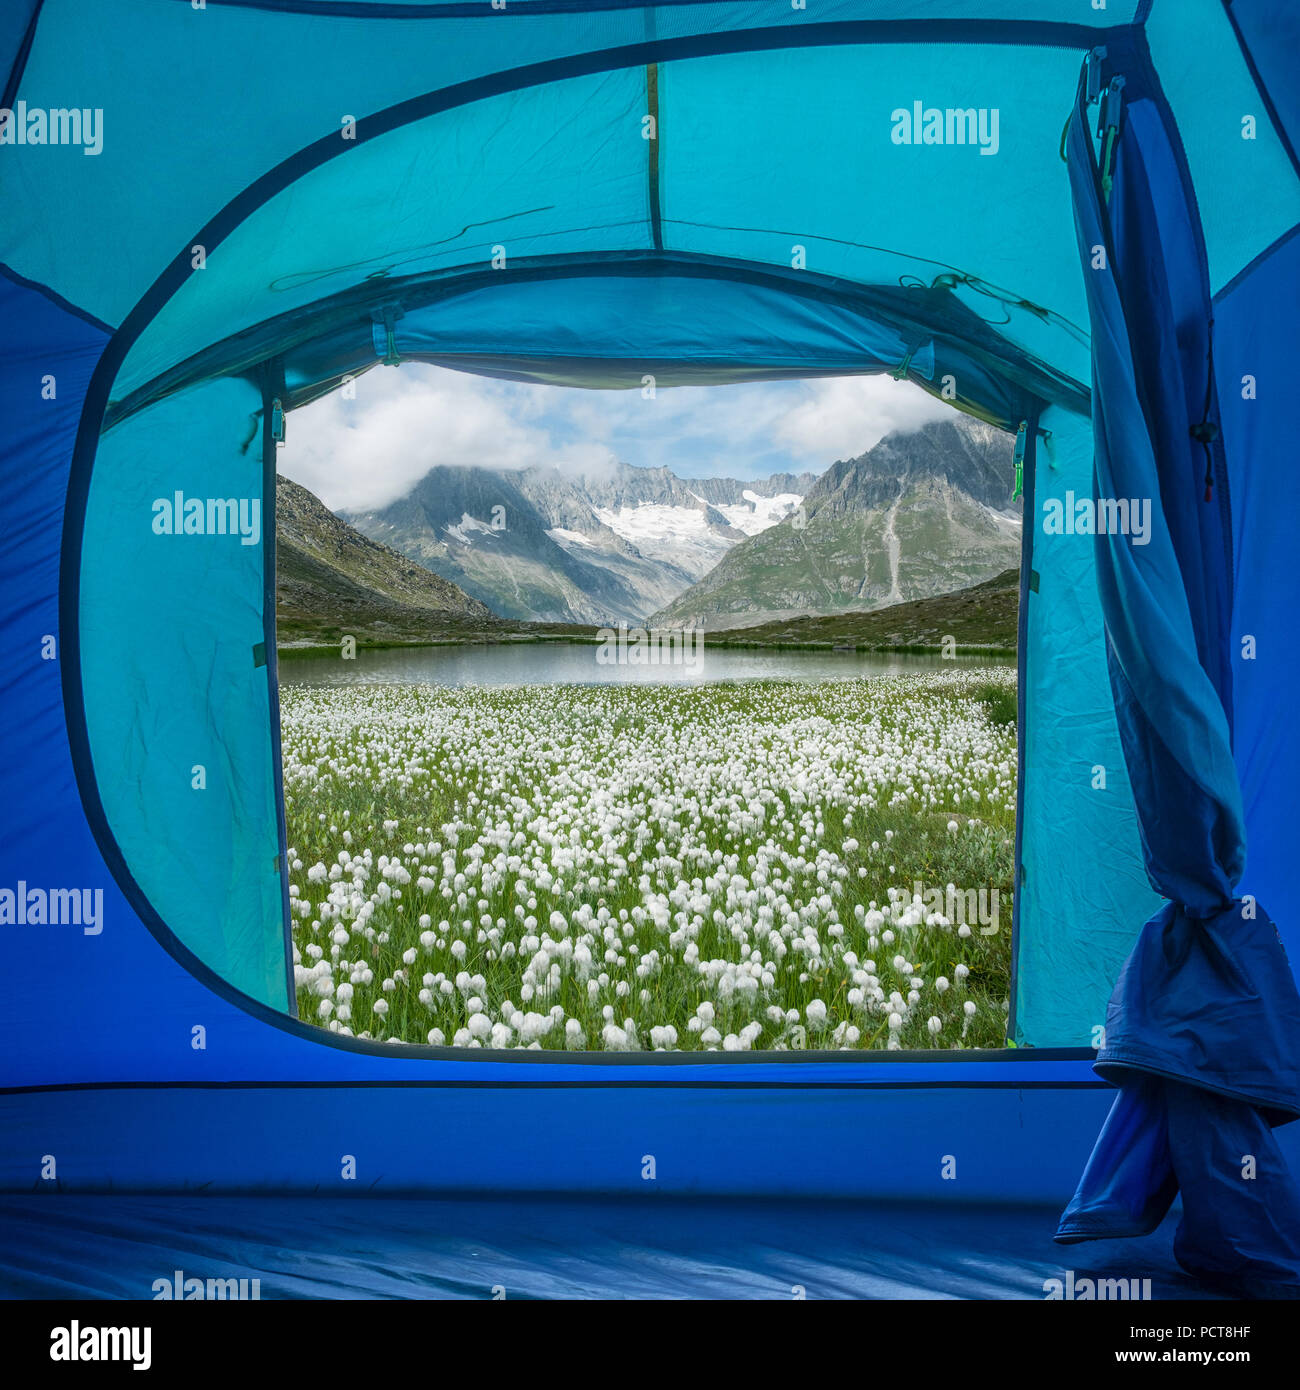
<point>317,1247</point>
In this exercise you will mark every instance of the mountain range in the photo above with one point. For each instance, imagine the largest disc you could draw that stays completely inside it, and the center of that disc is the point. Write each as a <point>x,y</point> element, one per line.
<point>332,580</point>
<point>921,514</point>
<point>599,547</point>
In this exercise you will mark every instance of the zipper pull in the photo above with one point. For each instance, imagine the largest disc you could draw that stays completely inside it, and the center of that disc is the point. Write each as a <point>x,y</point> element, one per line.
<point>1021,434</point>
<point>1205,433</point>
<point>1092,64</point>
<point>384,334</point>
<point>1108,132</point>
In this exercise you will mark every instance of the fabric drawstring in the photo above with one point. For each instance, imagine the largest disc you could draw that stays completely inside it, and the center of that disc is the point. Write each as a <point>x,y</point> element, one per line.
<point>1205,431</point>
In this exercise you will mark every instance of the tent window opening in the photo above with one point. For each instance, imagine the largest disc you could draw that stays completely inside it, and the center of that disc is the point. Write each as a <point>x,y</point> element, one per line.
<point>695,762</point>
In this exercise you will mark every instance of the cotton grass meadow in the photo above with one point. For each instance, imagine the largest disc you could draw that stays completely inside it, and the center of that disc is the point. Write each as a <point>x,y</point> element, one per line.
<point>619,868</point>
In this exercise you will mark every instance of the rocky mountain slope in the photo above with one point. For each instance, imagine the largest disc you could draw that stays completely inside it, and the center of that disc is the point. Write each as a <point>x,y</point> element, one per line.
<point>980,619</point>
<point>921,514</point>
<point>331,580</point>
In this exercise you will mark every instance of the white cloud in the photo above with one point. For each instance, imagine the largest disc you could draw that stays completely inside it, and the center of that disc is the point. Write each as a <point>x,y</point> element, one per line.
<point>842,417</point>
<point>367,452</point>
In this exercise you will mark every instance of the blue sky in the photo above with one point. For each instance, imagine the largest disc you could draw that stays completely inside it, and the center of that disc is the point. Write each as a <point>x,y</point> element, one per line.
<point>368,451</point>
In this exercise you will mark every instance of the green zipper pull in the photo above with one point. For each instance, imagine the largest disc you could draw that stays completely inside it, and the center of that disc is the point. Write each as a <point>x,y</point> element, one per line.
<point>1108,132</point>
<point>899,373</point>
<point>385,319</point>
<point>1020,459</point>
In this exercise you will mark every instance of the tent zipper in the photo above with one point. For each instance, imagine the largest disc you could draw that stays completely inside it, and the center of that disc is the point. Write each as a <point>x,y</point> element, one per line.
<point>1021,434</point>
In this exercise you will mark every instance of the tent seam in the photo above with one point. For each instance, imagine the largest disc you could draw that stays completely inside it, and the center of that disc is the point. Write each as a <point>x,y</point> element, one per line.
<point>20,57</point>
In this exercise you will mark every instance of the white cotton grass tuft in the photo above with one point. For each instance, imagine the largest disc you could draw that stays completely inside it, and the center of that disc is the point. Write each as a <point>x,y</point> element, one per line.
<point>737,895</point>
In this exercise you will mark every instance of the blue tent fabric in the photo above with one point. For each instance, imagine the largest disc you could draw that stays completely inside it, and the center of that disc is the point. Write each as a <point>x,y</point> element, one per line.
<point>1171,713</point>
<point>1253,334</point>
<point>1165,1140</point>
<point>1209,999</point>
<point>1269,34</point>
<point>440,181</point>
<point>1203,1029</point>
<point>562,1247</point>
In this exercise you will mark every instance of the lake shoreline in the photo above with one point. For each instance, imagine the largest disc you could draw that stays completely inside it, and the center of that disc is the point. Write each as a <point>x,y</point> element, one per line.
<point>583,663</point>
<point>323,649</point>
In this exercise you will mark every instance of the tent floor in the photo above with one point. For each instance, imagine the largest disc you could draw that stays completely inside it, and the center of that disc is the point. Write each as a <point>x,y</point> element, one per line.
<point>74,1246</point>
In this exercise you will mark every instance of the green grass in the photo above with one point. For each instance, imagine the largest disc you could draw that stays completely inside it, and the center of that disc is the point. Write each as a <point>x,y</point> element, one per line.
<point>618,802</point>
<point>1000,699</point>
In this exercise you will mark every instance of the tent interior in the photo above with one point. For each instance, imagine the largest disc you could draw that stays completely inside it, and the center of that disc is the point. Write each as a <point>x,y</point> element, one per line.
<point>1033,210</point>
